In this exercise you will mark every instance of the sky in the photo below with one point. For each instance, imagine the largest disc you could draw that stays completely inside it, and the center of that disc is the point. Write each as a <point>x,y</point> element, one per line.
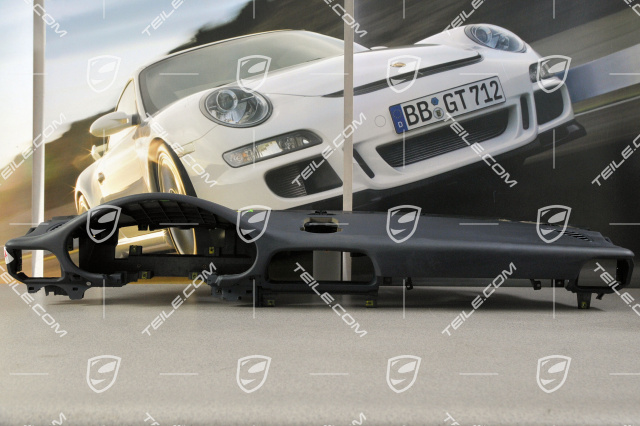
<point>93,28</point>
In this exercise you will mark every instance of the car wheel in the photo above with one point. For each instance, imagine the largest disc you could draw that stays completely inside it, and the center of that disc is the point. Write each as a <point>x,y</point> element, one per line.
<point>169,180</point>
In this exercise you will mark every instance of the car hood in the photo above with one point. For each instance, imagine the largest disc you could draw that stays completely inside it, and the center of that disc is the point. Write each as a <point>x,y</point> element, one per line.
<point>326,76</point>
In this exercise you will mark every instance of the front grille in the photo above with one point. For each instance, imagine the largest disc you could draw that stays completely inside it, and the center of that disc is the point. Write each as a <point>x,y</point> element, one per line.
<point>442,141</point>
<point>549,106</point>
<point>288,182</point>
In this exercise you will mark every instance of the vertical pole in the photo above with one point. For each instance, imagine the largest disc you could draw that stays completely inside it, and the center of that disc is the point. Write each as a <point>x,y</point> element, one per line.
<point>347,179</point>
<point>37,183</point>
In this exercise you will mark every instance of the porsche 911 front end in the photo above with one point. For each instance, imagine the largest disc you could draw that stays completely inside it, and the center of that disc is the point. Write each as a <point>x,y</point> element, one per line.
<point>259,119</point>
<point>421,111</point>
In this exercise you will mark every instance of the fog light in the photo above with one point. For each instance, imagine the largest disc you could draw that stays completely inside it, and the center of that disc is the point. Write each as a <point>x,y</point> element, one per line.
<point>270,148</point>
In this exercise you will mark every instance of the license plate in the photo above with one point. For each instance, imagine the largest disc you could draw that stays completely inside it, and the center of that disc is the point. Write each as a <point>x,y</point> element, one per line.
<point>459,100</point>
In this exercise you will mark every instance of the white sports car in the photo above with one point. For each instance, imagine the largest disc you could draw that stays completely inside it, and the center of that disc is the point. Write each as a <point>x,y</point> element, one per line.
<point>258,120</point>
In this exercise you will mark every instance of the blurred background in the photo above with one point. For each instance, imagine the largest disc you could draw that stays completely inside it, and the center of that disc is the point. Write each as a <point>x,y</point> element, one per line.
<point>585,31</point>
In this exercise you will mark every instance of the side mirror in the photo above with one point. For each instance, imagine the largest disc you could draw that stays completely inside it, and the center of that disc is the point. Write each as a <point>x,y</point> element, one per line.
<point>97,151</point>
<point>111,124</point>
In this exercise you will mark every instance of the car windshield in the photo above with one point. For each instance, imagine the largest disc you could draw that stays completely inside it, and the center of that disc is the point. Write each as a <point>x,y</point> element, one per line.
<point>191,72</point>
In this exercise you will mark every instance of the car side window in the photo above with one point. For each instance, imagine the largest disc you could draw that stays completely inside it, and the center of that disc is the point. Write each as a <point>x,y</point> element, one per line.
<point>127,104</point>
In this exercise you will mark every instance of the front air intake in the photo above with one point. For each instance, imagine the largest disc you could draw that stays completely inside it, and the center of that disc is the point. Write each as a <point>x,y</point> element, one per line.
<point>306,177</point>
<point>444,140</point>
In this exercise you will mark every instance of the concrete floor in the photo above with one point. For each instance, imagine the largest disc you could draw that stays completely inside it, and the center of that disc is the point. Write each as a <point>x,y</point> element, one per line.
<point>184,373</point>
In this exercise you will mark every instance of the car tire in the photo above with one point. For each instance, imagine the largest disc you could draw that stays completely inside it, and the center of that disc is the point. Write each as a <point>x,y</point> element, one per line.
<point>171,178</point>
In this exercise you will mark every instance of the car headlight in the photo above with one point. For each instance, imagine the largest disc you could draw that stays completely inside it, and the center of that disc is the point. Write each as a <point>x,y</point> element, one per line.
<point>235,107</point>
<point>495,37</point>
<point>270,148</point>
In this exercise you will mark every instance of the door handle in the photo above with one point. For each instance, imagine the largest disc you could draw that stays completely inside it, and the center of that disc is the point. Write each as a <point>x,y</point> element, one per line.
<point>100,177</point>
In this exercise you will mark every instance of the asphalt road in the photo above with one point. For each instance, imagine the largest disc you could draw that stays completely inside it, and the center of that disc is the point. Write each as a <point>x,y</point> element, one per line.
<point>321,372</point>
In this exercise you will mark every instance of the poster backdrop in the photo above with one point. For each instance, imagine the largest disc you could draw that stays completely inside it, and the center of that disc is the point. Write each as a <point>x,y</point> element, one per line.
<point>587,174</point>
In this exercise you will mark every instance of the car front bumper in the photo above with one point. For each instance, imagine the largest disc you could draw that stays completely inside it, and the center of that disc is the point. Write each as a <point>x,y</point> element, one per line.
<point>312,175</point>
